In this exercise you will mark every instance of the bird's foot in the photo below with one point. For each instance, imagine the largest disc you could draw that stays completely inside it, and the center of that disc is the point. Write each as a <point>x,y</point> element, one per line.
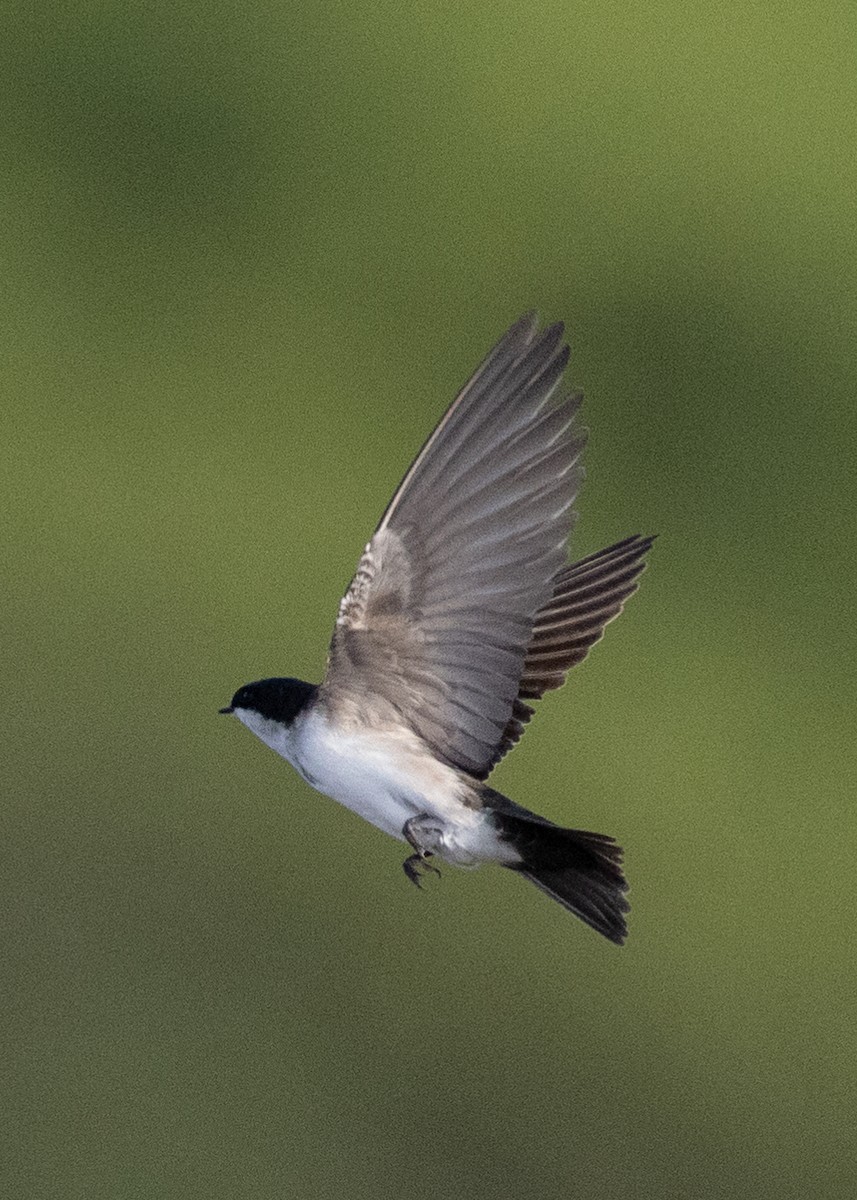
<point>417,866</point>
<point>425,833</point>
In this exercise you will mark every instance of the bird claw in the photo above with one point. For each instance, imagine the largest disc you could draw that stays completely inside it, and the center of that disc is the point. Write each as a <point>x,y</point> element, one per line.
<point>417,866</point>
<point>425,834</point>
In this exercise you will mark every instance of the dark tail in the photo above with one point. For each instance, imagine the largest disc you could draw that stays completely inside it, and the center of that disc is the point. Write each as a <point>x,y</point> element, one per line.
<point>583,871</point>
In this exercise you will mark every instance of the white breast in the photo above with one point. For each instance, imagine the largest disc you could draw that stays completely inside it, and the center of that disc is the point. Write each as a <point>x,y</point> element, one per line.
<point>384,777</point>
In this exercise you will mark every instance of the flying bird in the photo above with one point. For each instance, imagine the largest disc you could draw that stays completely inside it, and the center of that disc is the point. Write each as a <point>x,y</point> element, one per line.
<point>462,612</point>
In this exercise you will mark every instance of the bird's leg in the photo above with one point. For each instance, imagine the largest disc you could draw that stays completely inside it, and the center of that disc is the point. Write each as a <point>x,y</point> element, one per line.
<point>424,833</point>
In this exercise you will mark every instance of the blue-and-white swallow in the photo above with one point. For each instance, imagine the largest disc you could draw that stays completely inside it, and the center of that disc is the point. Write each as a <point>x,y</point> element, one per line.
<point>462,612</point>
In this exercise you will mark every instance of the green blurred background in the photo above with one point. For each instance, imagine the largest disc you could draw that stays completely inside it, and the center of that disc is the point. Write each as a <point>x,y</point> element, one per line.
<point>250,252</point>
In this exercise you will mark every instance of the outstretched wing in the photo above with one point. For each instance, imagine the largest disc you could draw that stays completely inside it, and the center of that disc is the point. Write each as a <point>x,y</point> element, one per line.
<point>435,626</point>
<point>586,596</point>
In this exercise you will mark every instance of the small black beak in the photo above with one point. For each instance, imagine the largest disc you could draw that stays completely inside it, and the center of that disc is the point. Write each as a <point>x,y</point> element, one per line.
<point>229,709</point>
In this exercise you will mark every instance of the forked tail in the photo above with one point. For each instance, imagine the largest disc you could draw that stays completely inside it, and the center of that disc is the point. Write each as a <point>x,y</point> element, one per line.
<point>582,871</point>
<point>593,888</point>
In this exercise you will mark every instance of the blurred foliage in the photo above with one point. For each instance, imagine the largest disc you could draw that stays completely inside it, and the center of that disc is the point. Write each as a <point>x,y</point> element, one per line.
<point>250,253</point>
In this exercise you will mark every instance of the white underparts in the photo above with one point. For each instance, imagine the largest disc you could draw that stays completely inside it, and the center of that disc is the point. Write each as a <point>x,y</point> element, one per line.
<point>386,777</point>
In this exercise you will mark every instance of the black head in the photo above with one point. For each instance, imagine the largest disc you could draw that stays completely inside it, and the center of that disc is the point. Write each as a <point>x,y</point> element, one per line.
<point>275,699</point>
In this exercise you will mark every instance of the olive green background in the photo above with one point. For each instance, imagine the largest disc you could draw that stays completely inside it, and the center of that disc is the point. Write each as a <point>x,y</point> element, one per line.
<point>249,253</point>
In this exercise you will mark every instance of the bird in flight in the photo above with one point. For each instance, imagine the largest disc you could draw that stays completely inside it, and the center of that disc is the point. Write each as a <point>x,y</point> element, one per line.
<point>463,611</point>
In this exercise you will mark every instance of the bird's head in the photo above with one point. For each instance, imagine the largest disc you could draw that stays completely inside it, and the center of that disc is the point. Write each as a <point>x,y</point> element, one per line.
<point>277,700</point>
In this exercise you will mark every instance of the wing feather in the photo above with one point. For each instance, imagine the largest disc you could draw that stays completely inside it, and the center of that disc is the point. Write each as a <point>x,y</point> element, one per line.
<point>586,596</point>
<point>437,621</point>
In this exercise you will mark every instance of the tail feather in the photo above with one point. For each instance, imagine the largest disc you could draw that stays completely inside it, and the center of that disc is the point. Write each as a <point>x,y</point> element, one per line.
<point>601,906</point>
<point>581,871</point>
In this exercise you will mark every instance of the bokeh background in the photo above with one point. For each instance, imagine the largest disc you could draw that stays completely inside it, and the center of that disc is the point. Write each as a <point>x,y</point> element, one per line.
<point>249,253</point>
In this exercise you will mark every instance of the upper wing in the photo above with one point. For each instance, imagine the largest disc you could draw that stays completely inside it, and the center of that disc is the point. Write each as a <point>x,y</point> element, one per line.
<point>435,626</point>
<point>586,596</point>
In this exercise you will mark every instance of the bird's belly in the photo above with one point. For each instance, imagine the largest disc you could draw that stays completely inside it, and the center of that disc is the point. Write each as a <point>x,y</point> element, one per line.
<point>384,778</point>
